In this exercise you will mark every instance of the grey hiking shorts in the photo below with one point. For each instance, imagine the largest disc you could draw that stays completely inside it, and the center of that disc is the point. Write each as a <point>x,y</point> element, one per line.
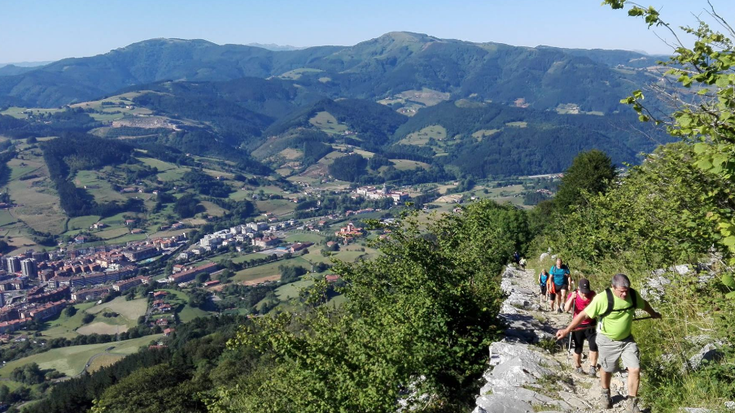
<point>612,350</point>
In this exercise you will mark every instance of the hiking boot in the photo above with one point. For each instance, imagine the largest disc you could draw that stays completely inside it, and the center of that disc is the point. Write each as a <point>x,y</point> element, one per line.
<point>579,370</point>
<point>605,400</point>
<point>592,371</point>
<point>560,311</point>
<point>632,405</point>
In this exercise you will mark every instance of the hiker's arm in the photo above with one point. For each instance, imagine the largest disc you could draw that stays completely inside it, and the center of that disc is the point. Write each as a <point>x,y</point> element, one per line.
<point>575,322</point>
<point>651,311</point>
<point>568,304</point>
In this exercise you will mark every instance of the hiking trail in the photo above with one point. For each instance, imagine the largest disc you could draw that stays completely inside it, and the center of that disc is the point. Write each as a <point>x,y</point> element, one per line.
<point>524,376</point>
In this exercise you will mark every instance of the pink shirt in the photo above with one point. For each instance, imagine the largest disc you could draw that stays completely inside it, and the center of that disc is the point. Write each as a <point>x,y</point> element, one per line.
<point>580,304</point>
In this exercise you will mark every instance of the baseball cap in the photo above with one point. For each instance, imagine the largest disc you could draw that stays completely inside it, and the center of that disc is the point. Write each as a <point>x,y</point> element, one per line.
<point>584,286</point>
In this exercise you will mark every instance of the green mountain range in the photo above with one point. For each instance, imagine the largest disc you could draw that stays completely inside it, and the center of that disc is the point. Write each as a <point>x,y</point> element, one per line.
<point>542,77</point>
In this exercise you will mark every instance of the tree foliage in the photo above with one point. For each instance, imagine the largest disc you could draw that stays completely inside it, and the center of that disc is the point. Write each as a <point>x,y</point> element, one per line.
<point>591,173</point>
<point>348,168</point>
<point>416,319</point>
<point>704,103</point>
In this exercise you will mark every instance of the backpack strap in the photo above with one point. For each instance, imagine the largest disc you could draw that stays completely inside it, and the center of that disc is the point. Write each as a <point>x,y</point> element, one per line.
<point>611,303</point>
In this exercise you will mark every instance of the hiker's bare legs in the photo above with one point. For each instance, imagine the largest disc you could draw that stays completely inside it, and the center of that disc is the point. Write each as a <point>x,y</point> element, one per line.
<point>563,296</point>
<point>634,378</point>
<point>593,358</point>
<point>605,380</point>
<point>577,360</point>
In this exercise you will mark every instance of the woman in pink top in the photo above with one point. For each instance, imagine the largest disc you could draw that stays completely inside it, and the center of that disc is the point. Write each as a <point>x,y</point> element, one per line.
<point>578,300</point>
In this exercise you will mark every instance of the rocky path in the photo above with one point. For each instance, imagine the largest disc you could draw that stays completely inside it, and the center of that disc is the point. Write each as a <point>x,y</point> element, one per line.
<point>526,377</point>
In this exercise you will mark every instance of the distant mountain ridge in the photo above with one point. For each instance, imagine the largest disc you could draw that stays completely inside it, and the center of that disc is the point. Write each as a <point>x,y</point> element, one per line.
<point>543,77</point>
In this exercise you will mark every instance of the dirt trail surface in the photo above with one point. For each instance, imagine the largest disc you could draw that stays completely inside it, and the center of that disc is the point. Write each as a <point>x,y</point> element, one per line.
<point>523,376</point>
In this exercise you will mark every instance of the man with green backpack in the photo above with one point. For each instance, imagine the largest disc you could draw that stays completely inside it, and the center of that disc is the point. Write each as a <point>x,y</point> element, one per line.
<point>615,311</point>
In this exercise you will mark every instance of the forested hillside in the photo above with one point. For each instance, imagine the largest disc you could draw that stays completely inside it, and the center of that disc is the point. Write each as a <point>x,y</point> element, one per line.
<point>374,69</point>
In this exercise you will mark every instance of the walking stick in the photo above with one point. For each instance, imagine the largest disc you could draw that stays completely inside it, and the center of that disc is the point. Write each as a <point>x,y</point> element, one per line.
<point>569,351</point>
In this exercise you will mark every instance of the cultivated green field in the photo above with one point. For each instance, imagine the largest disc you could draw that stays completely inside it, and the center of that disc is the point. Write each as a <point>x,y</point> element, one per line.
<point>103,327</point>
<point>173,174</point>
<point>484,133</point>
<point>296,74</point>
<point>237,258</point>
<point>267,270</point>
<point>71,360</point>
<point>83,222</point>
<point>327,123</point>
<point>6,218</point>
<point>97,186</point>
<point>278,207</point>
<point>405,164</point>
<point>37,204</point>
<point>186,312</point>
<point>313,237</point>
<point>112,233</point>
<point>64,326</point>
<point>436,132</point>
<point>212,209</point>
<point>291,290</point>
<point>162,166</point>
<point>22,113</point>
<point>128,309</point>
<point>104,361</point>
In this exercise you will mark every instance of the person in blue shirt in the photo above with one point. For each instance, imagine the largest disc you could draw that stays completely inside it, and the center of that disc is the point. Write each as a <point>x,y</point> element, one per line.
<point>543,280</point>
<point>560,277</point>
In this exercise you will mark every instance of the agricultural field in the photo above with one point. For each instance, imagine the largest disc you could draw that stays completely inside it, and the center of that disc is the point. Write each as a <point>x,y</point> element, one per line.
<point>104,360</point>
<point>327,123</point>
<point>173,174</point>
<point>130,310</point>
<point>268,269</point>
<point>112,233</point>
<point>71,360</point>
<point>312,237</point>
<point>237,258</point>
<point>162,166</point>
<point>291,290</point>
<point>99,327</point>
<point>186,313</point>
<point>23,113</point>
<point>83,222</point>
<point>64,326</point>
<point>213,209</point>
<point>6,218</point>
<point>405,164</point>
<point>278,207</point>
<point>484,133</point>
<point>296,74</point>
<point>37,204</point>
<point>422,137</point>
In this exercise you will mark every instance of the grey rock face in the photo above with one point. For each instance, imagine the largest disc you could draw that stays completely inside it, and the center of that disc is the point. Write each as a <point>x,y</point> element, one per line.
<point>709,352</point>
<point>516,367</point>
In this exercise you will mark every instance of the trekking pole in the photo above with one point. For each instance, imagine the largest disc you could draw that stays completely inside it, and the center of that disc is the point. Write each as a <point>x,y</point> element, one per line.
<point>642,318</point>
<point>569,351</point>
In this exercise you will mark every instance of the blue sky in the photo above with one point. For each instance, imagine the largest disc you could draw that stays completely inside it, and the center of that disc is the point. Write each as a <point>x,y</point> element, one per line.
<point>33,30</point>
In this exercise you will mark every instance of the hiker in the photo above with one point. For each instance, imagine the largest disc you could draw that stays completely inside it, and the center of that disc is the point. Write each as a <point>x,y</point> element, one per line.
<point>516,257</point>
<point>561,279</point>
<point>578,301</point>
<point>522,263</point>
<point>615,310</point>
<point>543,282</point>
